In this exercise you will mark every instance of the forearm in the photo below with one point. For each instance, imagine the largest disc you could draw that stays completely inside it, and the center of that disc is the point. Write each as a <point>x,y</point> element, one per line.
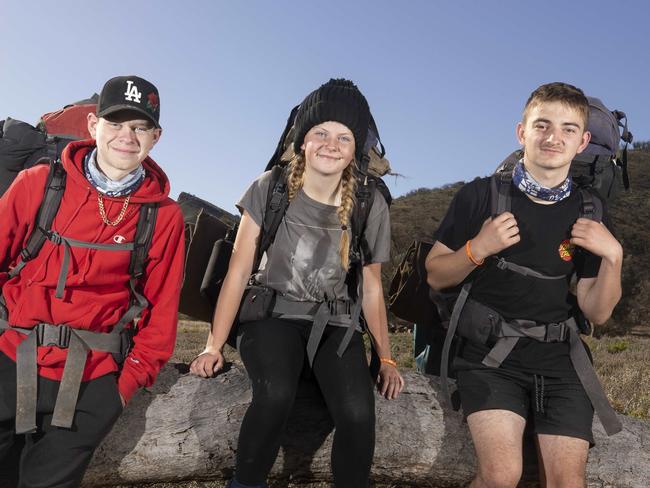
<point>374,310</point>
<point>225,312</point>
<point>445,270</point>
<point>598,301</point>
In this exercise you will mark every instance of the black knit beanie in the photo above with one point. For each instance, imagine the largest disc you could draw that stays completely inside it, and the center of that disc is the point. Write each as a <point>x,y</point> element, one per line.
<point>338,100</point>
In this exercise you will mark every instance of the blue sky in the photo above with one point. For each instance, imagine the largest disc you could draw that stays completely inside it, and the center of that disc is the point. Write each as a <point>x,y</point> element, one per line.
<point>446,81</point>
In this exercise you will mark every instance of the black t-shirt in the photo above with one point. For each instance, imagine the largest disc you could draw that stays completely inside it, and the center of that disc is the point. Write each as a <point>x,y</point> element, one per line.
<point>544,246</point>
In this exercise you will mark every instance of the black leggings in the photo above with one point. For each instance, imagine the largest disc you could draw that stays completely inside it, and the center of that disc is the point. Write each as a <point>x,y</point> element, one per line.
<point>273,352</point>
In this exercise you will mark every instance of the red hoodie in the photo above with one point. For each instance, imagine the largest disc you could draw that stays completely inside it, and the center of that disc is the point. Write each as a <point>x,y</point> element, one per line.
<point>96,290</point>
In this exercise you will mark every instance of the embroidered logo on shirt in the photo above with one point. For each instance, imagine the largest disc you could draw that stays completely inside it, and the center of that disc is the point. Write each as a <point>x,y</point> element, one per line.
<point>132,94</point>
<point>118,239</point>
<point>566,250</point>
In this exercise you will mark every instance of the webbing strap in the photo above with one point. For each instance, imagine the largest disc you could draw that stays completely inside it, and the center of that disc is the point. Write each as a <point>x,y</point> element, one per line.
<point>15,271</point>
<point>67,243</point>
<point>511,331</point>
<point>26,385</point>
<point>446,347</point>
<point>321,314</point>
<point>66,398</point>
<point>526,271</point>
<point>138,304</point>
<point>500,193</point>
<point>591,384</point>
<point>321,318</point>
<point>356,314</point>
<point>591,206</point>
<point>500,351</point>
<point>79,343</point>
<point>277,201</point>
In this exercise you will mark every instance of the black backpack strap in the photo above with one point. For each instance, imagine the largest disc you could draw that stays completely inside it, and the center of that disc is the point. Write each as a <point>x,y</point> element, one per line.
<point>365,195</point>
<point>360,254</point>
<point>591,206</point>
<point>451,332</point>
<point>500,193</point>
<point>277,201</point>
<point>142,242</point>
<point>54,188</point>
<point>143,238</point>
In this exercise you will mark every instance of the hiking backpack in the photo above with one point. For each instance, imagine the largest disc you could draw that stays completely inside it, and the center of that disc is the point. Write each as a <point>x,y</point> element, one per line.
<point>369,171</point>
<point>23,145</point>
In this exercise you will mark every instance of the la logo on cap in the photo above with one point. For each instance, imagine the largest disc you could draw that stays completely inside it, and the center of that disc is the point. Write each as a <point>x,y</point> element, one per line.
<point>132,94</point>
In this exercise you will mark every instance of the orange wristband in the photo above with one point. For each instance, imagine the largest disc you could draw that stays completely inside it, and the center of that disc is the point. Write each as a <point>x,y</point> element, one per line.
<point>389,361</point>
<point>468,251</point>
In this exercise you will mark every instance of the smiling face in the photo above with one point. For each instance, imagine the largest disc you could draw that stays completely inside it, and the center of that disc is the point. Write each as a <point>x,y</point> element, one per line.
<point>552,133</point>
<point>124,140</point>
<point>329,148</point>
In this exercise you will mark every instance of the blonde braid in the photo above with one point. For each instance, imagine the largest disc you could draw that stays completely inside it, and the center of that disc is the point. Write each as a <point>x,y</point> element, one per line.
<point>344,211</point>
<point>296,175</point>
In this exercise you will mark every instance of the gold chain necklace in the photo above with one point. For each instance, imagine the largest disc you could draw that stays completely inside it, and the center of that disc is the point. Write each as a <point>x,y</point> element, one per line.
<point>102,210</point>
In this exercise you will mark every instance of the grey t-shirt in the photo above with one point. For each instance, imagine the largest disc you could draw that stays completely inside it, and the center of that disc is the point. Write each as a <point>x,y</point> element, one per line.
<point>303,263</point>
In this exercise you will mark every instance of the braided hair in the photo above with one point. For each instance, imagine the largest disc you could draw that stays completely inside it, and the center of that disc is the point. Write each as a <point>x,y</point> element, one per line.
<point>344,211</point>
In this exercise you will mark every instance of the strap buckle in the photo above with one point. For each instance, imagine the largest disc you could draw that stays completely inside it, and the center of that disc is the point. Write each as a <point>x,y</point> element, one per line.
<point>556,332</point>
<point>339,307</point>
<point>53,335</point>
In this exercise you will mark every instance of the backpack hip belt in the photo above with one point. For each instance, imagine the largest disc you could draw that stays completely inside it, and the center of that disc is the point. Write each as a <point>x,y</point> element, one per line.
<point>79,343</point>
<point>321,313</point>
<point>470,316</point>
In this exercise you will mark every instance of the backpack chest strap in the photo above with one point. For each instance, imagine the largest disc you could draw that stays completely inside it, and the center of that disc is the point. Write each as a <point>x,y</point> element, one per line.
<point>67,243</point>
<point>79,343</point>
<point>525,270</point>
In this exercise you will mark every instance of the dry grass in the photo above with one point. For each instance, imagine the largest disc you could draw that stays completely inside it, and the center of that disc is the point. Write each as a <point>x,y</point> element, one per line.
<point>623,363</point>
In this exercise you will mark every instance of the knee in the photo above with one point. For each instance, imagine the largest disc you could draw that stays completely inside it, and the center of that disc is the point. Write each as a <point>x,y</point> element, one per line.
<point>276,398</point>
<point>501,475</point>
<point>356,419</point>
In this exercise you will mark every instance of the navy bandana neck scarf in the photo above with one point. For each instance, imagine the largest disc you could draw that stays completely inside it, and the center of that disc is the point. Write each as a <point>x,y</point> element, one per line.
<point>526,183</point>
<point>105,185</point>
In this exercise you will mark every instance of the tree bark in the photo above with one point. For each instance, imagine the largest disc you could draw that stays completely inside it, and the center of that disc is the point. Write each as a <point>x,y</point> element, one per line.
<point>186,428</point>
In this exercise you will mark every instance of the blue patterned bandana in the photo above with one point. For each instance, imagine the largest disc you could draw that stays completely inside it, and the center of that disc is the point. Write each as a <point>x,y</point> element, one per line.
<point>104,184</point>
<point>526,183</point>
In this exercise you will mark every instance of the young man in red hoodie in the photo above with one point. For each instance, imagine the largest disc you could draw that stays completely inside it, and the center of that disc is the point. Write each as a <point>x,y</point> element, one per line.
<point>61,306</point>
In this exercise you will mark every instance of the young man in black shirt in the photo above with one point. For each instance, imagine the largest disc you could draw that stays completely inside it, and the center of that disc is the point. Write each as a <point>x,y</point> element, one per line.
<point>543,232</point>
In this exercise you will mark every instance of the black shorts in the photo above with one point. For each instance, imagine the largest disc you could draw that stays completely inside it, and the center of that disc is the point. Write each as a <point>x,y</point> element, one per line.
<point>555,406</point>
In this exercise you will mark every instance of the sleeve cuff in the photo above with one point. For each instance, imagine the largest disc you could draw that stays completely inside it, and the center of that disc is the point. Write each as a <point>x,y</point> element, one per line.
<point>127,385</point>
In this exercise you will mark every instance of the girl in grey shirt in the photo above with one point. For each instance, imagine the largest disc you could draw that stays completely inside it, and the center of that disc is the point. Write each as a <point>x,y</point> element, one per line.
<point>307,267</point>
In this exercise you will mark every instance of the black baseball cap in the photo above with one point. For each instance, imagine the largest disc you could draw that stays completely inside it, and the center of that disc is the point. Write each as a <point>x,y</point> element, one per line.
<point>130,93</point>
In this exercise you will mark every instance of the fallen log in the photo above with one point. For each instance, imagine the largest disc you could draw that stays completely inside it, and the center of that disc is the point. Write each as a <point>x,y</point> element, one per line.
<point>185,428</point>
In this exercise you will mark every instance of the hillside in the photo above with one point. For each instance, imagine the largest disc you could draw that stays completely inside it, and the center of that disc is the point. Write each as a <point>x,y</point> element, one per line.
<point>417,214</point>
